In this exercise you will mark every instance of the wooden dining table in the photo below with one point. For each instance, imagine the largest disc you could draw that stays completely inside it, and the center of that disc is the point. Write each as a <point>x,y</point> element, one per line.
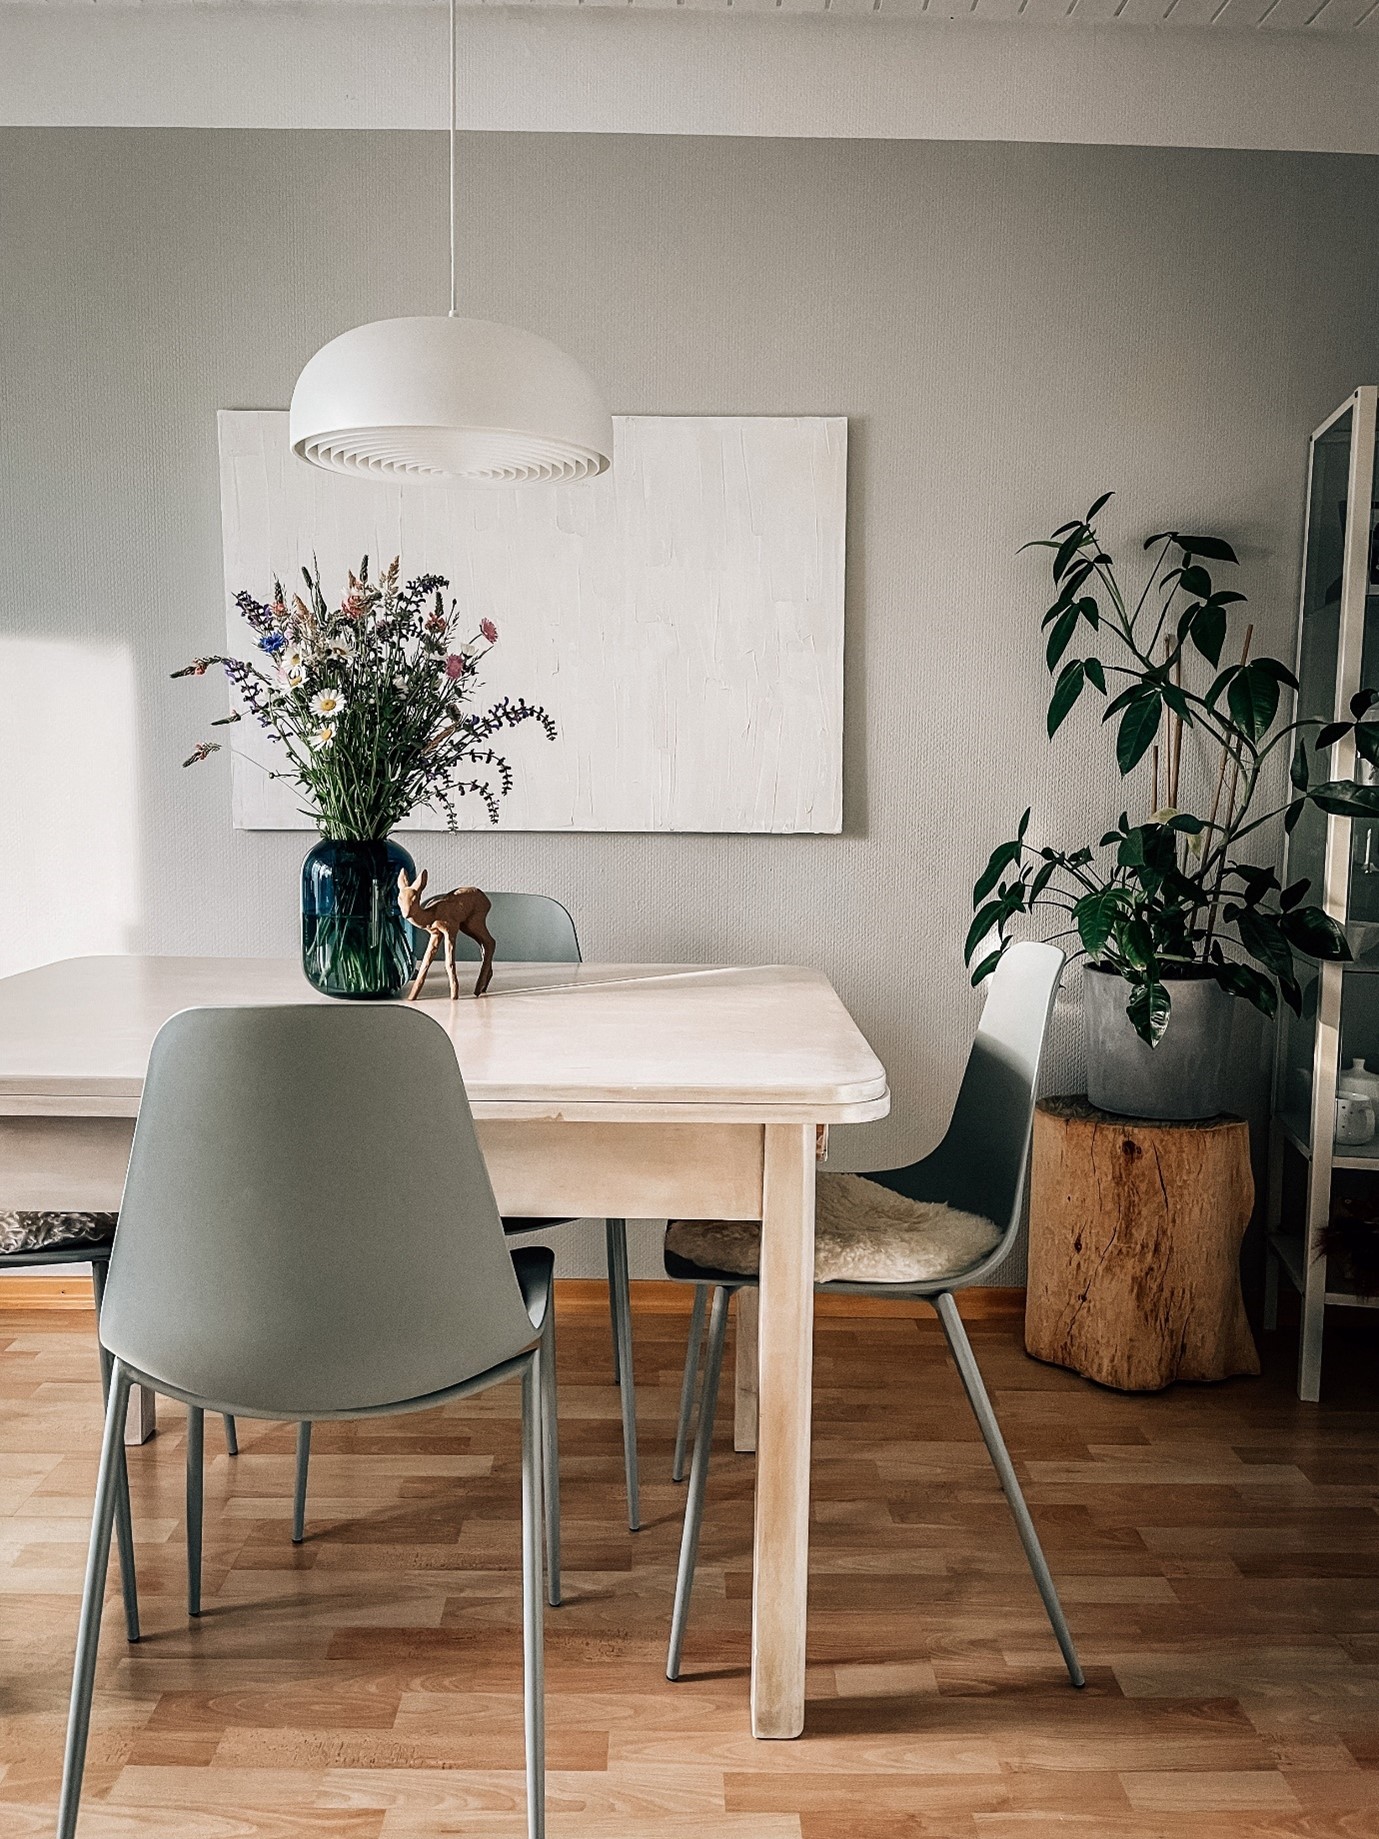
<point>599,1090</point>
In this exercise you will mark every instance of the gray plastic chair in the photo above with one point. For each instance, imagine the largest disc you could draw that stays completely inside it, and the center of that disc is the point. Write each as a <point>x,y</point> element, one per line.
<point>535,929</point>
<point>308,1231</point>
<point>980,1168</point>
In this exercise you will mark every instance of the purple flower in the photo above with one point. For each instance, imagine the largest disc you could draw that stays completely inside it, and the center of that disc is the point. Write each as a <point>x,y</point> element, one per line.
<point>489,630</point>
<point>456,665</point>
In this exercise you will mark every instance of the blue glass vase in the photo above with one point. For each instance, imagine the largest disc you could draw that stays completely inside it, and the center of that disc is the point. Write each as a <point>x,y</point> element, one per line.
<point>355,942</point>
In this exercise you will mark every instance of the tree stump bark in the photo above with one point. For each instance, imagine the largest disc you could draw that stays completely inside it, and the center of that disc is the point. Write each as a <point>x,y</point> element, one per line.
<point>1134,1247</point>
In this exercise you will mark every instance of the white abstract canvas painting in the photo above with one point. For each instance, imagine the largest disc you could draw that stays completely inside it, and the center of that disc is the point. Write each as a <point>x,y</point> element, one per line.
<point>680,617</point>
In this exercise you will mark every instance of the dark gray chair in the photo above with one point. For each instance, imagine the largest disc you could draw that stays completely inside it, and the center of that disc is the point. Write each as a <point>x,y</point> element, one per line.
<point>979,1168</point>
<point>535,929</point>
<point>308,1231</point>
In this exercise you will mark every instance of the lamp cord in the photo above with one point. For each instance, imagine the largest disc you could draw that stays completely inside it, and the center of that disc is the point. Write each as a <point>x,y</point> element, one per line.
<point>453,106</point>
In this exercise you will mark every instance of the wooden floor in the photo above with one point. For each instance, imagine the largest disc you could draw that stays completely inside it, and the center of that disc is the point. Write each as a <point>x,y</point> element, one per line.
<point>1217,1551</point>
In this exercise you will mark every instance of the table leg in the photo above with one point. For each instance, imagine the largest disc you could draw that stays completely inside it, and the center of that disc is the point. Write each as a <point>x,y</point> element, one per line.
<point>142,1421</point>
<point>780,1572</point>
<point>745,1373</point>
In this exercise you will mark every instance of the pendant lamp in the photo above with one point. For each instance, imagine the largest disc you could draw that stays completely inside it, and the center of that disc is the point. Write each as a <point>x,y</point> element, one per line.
<point>433,399</point>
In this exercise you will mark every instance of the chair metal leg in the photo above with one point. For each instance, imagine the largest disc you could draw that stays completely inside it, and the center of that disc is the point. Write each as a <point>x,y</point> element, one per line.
<point>550,1458</point>
<point>533,1651</point>
<point>124,1523</point>
<point>689,1383</point>
<point>699,1475</point>
<point>970,1374</point>
<point>620,1303</point>
<point>299,1487</point>
<point>92,1598</point>
<point>196,1455</point>
<point>231,1437</point>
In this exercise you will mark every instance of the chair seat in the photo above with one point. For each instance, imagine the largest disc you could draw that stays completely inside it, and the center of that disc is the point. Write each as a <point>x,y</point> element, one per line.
<point>863,1233</point>
<point>50,1232</point>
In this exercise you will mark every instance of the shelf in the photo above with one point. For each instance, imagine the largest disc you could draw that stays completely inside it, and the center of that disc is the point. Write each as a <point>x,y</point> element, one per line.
<point>1356,1156</point>
<point>1288,1248</point>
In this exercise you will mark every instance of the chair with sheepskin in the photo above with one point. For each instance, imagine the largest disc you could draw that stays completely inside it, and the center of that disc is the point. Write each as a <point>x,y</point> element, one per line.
<point>924,1231</point>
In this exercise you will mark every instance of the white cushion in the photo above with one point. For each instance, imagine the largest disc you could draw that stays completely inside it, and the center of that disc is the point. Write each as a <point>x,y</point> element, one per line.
<point>863,1233</point>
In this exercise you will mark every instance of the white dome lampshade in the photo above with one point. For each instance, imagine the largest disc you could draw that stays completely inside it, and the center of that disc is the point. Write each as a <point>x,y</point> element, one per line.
<point>449,399</point>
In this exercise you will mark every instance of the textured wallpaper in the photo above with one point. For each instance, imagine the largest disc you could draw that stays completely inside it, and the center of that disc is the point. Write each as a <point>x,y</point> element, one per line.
<point>1008,329</point>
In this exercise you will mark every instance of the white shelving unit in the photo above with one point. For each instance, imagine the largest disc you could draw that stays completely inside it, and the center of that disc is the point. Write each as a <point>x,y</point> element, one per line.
<point>1338,652</point>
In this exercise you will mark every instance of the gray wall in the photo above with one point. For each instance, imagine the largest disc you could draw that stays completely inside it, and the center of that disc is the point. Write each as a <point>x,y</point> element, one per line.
<point>1010,329</point>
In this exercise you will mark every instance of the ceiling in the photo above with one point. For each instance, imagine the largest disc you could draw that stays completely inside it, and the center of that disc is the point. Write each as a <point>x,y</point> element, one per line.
<point>1249,15</point>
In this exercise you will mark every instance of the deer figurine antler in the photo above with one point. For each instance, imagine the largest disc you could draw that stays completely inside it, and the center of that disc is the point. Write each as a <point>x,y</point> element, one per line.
<point>462,910</point>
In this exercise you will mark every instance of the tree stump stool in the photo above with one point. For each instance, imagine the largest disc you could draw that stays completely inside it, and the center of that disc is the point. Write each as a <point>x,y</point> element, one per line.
<point>1134,1247</point>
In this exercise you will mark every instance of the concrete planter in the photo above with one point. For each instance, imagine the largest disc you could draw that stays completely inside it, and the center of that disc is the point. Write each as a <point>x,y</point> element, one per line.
<point>1183,1077</point>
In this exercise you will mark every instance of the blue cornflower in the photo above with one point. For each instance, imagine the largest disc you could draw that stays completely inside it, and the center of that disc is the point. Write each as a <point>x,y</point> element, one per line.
<point>272,643</point>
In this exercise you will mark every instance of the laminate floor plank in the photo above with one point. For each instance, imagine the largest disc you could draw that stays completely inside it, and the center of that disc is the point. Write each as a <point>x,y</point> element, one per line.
<point>1216,1548</point>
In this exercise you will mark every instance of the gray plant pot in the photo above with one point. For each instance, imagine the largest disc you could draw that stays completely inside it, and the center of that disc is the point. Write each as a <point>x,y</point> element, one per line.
<point>1183,1077</point>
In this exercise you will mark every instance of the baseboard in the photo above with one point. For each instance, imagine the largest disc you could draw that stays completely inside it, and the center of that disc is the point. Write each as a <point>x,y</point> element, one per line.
<point>574,1296</point>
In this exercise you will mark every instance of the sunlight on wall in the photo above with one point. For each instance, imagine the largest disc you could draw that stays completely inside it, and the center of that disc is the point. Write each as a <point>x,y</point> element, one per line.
<point>69,832</point>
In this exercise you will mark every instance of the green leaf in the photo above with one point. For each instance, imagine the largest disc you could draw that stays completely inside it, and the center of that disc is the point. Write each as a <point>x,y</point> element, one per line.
<point>1292,814</point>
<point>1279,672</point>
<point>1135,943</point>
<point>1214,548</point>
<point>1149,1009</point>
<point>987,918</point>
<point>1297,771</point>
<point>1138,726</point>
<point>1065,693</point>
<point>1227,676</point>
<point>1315,933</point>
<point>1164,536</point>
<point>1023,825</point>
<point>1242,980</point>
<point>1184,821</point>
<point>1367,742</point>
<point>1209,632</point>
<point>1061,636</point>
<point>1100,504</point>
<point>1253,700</point>
<point>987,965</point>
<point>1040,882</point>
<point>1261,936</point>
<point>1094,915</point>
<point>1069,547</point>
<point>1095,674</point>
<point>1344,798</point>
<point>1362,701</point>
<point>998,862</point>
<point>1330,734</point>
<point>1292,895</point>
<point>1195,581</point>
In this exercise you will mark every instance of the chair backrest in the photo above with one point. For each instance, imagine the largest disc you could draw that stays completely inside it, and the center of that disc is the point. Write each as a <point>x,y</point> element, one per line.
<point>307,1226</point>
<point>980,1164</point>
<point>527,929</point>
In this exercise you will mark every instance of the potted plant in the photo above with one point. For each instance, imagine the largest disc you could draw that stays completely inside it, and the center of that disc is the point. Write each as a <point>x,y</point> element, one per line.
<point>1171,913</point>
<point>369,701</point>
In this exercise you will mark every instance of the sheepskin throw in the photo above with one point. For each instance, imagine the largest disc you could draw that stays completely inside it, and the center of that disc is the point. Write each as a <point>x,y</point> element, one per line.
<point>863,1233</point>
<point>41,1232</point>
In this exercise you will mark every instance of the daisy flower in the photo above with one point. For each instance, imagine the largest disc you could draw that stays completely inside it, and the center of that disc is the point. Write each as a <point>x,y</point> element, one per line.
<point>324,735</point>
<point>327,703</point>
<point>341,644</point>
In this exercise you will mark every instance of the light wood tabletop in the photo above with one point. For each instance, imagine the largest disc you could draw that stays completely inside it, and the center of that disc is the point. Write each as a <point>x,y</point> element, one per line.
<point>600,1090</point>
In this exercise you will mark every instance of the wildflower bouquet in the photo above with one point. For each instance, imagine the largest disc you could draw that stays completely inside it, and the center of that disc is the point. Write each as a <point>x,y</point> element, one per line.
<point>370,701</point>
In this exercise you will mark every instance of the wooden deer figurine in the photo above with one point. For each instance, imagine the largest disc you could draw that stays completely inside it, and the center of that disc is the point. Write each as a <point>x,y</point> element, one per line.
<point>462,910</point>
